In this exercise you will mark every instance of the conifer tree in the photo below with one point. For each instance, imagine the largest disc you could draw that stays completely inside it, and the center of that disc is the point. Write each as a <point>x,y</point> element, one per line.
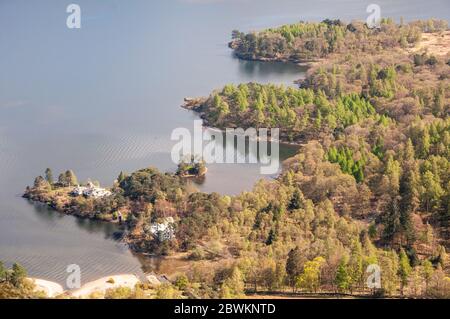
<point>342,279</point>
<point>404,269</point>
<point>70,178</point>
<point>410,201</point>
<point>294,265</point>
<point>49,176</point>
<point>392,225</point>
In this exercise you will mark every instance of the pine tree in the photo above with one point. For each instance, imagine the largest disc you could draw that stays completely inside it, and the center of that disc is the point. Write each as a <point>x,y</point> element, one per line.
<point>410,200</point>
<point>393,174</point>
<point>355,263</point>
<point>49,176</point>
<point>432,191</point>
<point>233,287</point>
<point>2,272</point>
<point>425,143</point>
<point>121,177</point>
<point>70,178</point>
<point>294,265</point>
<point>318,119</point>
<point>378,148</point>
<point>404,270</point>
<point>242,101</point>
<point>297,200</point>
<point>62,179</point>
<point>39,182</point>
<point>392,225</point>
<point>18,275</point>
<point>439,103</point>
<point>427,273</point>
<point>271,238</point>
<point>359,175</point>
<point>409,153</point>
<point>261,118</point>
<point>342,279</point>
<point>441,257</point>
<point>388,262</point>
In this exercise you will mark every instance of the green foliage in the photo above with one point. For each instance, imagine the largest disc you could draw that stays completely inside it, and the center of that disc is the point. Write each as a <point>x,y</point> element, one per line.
<point>392,225</point>
<point>379,113</point>
<point>310,277</point>
<point>14,285</point>
<point>3,272</point>
<point>305,41</point>
<point>345,158</point>
<point>297,111</point>
<point>233,287</point>
<point>204,211</point>
<point>294,265</point>
<point>378,149</point>
<point>432,191</point>
<point>404,268</point>
<point>121,177</point>
<point>181,282</point>
<point>49,176</point>
<point>150,185</point>
<point>167,291</point>
<point>342,279</point>
<point>68,178</point>
<point>191,167</point>
<point>40,182</point>
<point>18,275</point>
<point>119,293</point>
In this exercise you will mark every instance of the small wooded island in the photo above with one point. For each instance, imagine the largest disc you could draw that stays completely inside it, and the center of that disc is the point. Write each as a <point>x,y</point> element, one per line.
<point>192,168</point>
<point>369,186</point>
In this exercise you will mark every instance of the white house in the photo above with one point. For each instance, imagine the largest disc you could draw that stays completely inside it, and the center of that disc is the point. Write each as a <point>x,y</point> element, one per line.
<point>90,191</point>
<point>165,230</point>
<point>78,191</point>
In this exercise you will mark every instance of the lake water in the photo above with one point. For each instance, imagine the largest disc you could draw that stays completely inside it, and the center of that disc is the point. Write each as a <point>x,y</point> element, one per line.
<point>106,98</point>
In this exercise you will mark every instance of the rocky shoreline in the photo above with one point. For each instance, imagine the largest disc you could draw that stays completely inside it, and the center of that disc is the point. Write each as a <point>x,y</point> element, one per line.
<point>56,203</point>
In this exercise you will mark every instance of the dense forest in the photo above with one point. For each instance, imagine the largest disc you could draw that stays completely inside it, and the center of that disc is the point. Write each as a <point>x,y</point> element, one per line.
<point>370,184</point>
<point>307,41</point>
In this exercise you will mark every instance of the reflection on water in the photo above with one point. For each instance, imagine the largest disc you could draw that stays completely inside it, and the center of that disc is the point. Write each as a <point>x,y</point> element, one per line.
<point>108,230</point>
<point>47,242</point>
<point>106,98</point>
<point>269,70</point>
<point>232,179</point>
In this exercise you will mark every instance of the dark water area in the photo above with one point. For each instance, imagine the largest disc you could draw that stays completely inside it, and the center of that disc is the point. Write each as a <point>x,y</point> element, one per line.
<point>106,98</point>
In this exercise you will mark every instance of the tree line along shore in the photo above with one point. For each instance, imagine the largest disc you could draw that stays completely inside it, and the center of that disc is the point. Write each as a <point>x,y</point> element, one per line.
<point>370,184</point>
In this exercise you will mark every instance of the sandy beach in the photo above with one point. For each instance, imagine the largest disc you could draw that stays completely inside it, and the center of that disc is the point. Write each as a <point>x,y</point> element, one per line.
<point>103,284</point>
<point>51,289</point>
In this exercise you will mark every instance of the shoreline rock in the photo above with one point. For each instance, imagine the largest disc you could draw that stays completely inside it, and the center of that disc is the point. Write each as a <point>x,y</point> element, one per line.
<point>193,104</point>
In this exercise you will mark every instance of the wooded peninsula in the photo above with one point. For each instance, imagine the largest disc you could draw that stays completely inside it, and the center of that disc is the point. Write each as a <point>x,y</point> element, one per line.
<point>370,184</point>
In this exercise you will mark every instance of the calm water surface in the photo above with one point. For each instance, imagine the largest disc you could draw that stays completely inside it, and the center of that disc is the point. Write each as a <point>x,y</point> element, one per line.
<point>106,98</point>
